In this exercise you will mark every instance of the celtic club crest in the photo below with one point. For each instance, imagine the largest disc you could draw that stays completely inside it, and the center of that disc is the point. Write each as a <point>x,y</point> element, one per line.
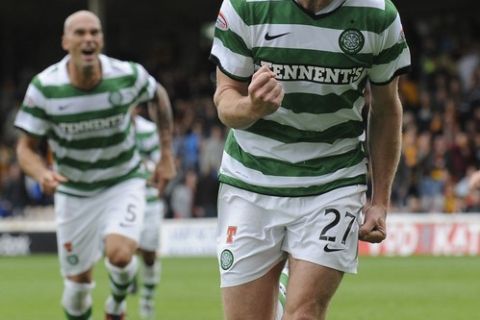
<point>351,41</point>
<point>226,259</point>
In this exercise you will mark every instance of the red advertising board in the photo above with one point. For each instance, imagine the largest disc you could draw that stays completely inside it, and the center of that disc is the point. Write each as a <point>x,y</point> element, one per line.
<point>428,234</point>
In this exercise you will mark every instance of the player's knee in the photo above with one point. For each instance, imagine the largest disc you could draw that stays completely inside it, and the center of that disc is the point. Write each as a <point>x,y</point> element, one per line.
<point>119,257</point>
<point>309,309</point>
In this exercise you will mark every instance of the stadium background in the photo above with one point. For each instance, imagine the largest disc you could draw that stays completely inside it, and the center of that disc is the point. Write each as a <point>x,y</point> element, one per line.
<point>441,98</point>
<point>434,213</point>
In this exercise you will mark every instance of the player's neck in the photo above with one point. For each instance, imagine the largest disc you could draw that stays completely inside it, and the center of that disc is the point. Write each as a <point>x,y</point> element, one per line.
<point>314,6</point>
<point>85,78</point>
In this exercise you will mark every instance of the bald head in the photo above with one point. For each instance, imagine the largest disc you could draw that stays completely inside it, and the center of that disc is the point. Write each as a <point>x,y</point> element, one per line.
<point>83,39</point>
<point>76,17</point>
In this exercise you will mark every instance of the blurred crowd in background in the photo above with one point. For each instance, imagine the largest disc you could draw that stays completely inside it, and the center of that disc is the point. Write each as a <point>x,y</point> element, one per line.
<point>441,131</point>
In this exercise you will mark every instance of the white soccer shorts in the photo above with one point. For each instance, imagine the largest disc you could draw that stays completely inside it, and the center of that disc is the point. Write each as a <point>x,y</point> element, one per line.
<point>256,231</point>
<point>83,223</point>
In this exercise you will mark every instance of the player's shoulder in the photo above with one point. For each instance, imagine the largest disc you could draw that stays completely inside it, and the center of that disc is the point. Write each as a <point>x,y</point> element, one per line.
<point>384,7</point>
<point>383,12</point>
<point>53,75</point>
<point>113,67</point>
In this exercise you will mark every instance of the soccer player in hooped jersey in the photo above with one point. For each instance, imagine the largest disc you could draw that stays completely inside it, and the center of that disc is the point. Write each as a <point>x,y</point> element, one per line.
<point>82,106</point>
<point>291,77</point>
<point>148,145</point>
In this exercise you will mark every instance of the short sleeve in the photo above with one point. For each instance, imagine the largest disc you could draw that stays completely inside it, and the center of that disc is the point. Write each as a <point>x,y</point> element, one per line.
<point>231,49</point>
<point>145,84</point>
<point>392,54</point>
<point>32,117</point>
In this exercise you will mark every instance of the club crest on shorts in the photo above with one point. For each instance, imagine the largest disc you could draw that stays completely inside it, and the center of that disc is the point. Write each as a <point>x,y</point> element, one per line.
<point>351,41</point>
<point>72,259</point>
<point>226,259</point>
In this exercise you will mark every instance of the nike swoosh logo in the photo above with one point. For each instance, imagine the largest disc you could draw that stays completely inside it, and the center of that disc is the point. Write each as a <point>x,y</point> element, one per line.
<point>269,37</point>
<point>328,249</point>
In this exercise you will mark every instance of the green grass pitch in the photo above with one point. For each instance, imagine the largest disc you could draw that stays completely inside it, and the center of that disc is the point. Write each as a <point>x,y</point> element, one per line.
<point>414,288</point>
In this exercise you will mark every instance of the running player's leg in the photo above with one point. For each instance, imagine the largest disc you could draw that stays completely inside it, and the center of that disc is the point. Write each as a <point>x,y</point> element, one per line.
<point>78,241</point>
<point>255,300</point>
<point>322,244</point>
<point>121,264</point>
<point>125,209</point>
<point>151,265</point>
<point>249,240</point>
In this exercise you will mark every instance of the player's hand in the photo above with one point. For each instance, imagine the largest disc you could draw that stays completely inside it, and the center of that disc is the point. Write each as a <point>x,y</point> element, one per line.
<point>265,92</point>
<point>474,182</point>
<point>50,180</point>
<point>374,228</point>
<point>165,171</point>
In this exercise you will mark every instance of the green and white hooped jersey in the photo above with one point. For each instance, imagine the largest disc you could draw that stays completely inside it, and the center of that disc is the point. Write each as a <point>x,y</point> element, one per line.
<point>89,132</point>
<point>314,142</point>
<point>148,144</point>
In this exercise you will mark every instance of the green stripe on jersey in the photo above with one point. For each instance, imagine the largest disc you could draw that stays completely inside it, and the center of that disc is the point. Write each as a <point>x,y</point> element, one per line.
<point>309,168</point>
<point>391,53</point>
<point>287,134</point>
<point>92,142</point>
<point>312,57</point>
<point>123,157</point>
<point>89,186</point>
<point>35,111</point>
<point>233,41</point>
<point>295,192</point>
<point>91,115</point>
<point>317,104</point>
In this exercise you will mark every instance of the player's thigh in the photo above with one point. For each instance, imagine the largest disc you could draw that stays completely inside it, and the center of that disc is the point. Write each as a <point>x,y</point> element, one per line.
<point>310,288</point>
<point>254,300</point>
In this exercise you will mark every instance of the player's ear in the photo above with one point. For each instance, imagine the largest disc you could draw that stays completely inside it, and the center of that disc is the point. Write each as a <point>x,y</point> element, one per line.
<point>64,43</point>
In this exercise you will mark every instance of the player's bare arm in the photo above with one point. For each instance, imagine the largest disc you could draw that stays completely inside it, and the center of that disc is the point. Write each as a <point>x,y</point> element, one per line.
<point>240,104</point>
<point>161,112</point>
<point>34,165</point>
<point>384,142</point>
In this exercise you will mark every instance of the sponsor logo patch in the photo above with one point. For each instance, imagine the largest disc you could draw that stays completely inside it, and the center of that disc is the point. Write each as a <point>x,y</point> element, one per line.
<point>231,232</point>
